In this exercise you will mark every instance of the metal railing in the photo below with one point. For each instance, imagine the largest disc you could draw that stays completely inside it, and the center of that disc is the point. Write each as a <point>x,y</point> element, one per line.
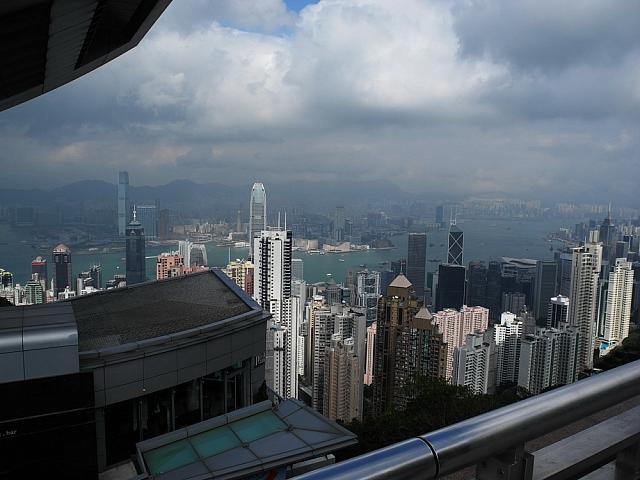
<point>494,441</point>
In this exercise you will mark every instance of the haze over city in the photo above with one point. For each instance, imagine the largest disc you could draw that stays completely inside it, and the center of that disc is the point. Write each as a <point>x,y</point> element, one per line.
<point>533,99</point>
<point>319,240</point>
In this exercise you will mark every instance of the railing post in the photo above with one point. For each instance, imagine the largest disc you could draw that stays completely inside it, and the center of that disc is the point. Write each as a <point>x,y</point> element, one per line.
<point>513,464</point>
<point>628,463</point>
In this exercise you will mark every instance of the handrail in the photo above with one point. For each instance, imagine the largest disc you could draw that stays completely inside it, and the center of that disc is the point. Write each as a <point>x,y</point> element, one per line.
<point>468,442</point>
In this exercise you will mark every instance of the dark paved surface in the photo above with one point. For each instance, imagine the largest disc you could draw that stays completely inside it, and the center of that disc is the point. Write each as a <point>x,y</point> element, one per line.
<point>149,310</point>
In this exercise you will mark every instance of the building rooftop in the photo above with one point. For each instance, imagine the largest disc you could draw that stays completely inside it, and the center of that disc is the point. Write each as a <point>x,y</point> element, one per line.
<point>401,282</point>
<point>253,440</point>
<point>154,309</point>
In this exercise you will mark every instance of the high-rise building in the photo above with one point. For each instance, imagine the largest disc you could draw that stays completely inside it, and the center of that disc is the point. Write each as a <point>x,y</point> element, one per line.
<point>558,312</point>
<point>545,288</point>
<point>198,255</point>
<point>455,250</point>
<point>123,202</point>
<point>242,273</point>
<point>417,261</point>
<point>34,293</point>
<point>135,252</point>
<point>95,271</point>
<point>273,291</point>
<point>563,279</point>
<point>585,270</point>
<point>257,215</point>
<point>163,224</point>
<point>342,381</point>
<point>548,359</point>
<point>339,224</point>
<point>513,302</point>
<point>63,270</point>
<point>408,344</point>
<point>494,291</point>
<point>456,325</point>
<point>368,292</point>
<point>608,237</point>
<point>169,265</point>
<point>618,308</point>
<point>471,364</point>
<point>39,266</point>
<point>451,287</point>
<point>477,284</point>
<point>184,249</point>
<point>297,268</point>
<point>440,215</point>
<point>148,217</point>
<point>507,337</point>
<point>398,267</point>
<point>371,343</point>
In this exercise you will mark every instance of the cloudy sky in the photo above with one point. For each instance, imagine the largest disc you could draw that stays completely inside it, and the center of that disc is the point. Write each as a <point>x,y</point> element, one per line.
<point>535,98</point>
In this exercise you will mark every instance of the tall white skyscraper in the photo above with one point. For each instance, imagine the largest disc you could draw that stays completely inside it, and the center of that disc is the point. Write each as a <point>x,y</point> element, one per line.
<point>273,291</point>
<point>547,359</point>
<point>123,202</point>
<point>257,214</point>
<point>618,310</point>
<point>583,298</point>
<point>507,337</point>
<point>471,364</point>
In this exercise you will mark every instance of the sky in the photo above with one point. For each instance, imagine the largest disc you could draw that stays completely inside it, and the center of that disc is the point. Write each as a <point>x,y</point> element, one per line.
<point>528,99</point>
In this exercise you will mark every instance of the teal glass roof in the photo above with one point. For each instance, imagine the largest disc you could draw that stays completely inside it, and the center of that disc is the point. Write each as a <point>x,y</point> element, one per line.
<point>245,442</point>
<point>213,442</point>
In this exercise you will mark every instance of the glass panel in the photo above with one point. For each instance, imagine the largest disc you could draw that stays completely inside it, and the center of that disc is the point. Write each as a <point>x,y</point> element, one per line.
<point>170,457</point>
<point>258,426</point>
<point>214,441</point>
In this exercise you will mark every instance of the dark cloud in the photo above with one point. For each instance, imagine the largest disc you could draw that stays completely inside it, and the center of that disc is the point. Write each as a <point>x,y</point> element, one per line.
<point>512,98</point>
<point>546,35</point>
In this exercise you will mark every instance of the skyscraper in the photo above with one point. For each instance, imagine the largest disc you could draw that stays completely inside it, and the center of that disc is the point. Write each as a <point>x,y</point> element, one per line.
<point>477,284</point>
<point>455,250</point>
<point>169,265</point>
<point>471,364</point>
<point>95,271</point>
<point>148,217</point>
<point>456,325</point>
<point>34,293</point>
<point>198,255</point>
<point>135,252</point>
<point>273,291</point>
<point>371,343</point>
<point>297,268</point>
<point>618,308</point>
<point>558,312</point>
<point>507,337</point>
<point>39,266</point>
<point>257,215</point>
<point>547,359</point>
<point>417,262</point>
<point>338,224</point>
<point>368,292</point>
<point>407,344</point>
<point>123,202</point>
<point>342,380</point>
<point>451,287</point>
<point>545,288</point>
<point>242,273</point>
<point>585,270</point>
<point>62,263</point>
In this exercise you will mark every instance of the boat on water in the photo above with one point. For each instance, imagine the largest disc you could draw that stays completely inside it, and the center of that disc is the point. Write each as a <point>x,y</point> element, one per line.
<point>341,259</point>
<point>329,274</point>
<point>362,265</point>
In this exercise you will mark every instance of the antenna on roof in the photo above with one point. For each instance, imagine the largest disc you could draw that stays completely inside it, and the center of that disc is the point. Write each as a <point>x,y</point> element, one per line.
<point>285,219</point>
<point>278,220</point>
<point>134,213</point>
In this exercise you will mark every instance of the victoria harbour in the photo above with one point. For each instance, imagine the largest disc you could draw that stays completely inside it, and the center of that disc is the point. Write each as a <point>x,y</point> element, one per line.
<point>485,240</point>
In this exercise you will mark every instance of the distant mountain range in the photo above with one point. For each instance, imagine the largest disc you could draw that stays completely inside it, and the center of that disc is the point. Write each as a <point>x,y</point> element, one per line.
<point>214,198</point>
